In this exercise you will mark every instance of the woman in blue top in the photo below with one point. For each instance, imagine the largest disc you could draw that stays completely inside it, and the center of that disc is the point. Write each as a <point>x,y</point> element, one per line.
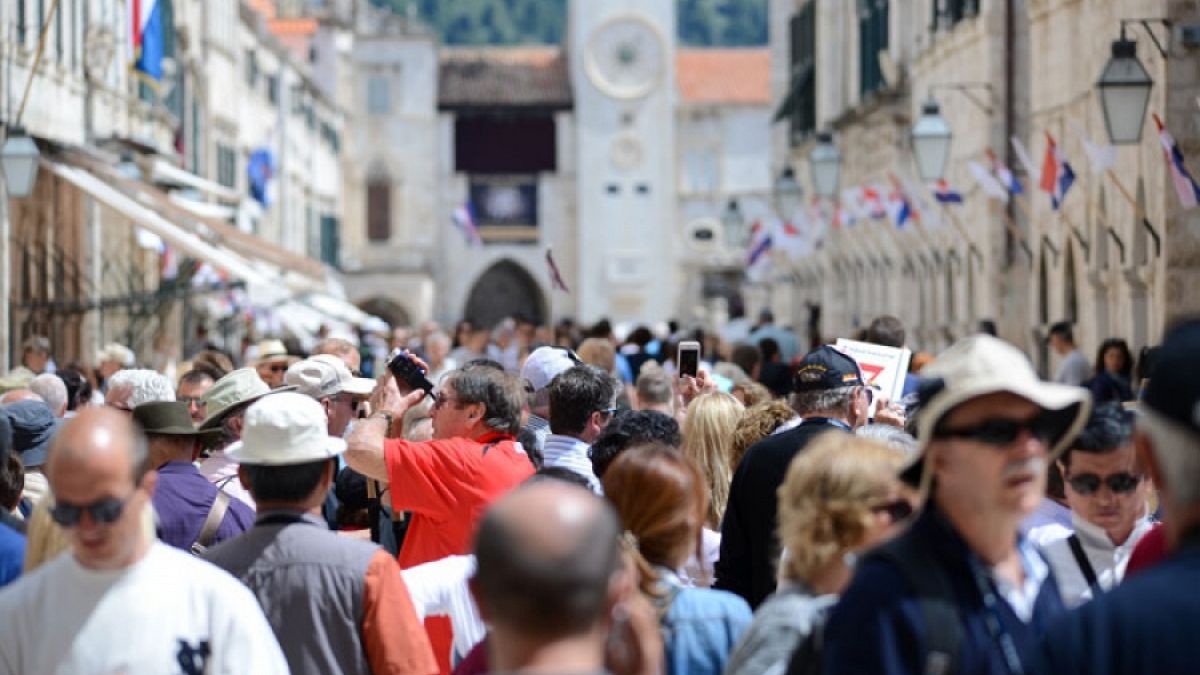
<point>662,500</point>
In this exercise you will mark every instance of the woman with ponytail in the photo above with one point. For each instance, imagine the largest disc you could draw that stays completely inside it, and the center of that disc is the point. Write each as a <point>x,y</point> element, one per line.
<point>663,501</point>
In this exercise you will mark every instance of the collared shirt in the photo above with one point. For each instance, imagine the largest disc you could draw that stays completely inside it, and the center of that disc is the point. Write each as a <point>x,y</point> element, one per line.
<point>1107,559</point>
<point>182,500</point>
<point>1021,598</point>
<point>222,472</point>
<point>571,453</point>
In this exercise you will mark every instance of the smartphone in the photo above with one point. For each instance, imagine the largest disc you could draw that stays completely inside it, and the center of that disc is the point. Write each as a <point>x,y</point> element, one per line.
<point>689,358</point>
<point>405,370</point>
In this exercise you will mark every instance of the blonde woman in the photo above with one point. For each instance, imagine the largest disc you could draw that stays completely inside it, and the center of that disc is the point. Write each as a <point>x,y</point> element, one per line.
<point>707,430</point>
<point>841,496</point>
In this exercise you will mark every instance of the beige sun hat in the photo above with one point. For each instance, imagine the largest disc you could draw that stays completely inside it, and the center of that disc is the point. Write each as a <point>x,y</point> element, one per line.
<point>237,387</point>
<point>980,365</point>
<point>326,375</point>
<point>273,350</point>
<point>285,429</point>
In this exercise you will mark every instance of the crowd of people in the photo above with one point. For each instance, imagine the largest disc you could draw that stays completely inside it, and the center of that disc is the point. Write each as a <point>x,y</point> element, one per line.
<point>564,500</point>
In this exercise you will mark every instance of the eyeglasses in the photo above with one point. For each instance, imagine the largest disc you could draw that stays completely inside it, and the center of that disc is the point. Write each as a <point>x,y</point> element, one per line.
<point>1119,483</point>
<point>191,400</point>
<point>104,511</point>
<point>277,367</point>
<point>897,509</point>
<point>442,399</point>
<point>1001,432</point>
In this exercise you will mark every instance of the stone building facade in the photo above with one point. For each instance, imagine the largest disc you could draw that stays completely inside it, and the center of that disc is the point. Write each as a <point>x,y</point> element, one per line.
<point>999,69</point>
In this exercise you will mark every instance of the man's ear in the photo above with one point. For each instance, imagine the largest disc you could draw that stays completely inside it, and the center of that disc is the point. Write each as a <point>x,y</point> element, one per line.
<point>236,424</point>
<point>241,474</point>
<point>479,603</point>
<point>1145,457</point>
<point>149,482</point>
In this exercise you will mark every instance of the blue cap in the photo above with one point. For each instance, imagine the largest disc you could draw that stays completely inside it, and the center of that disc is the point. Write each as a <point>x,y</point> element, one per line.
<point>33,427</point>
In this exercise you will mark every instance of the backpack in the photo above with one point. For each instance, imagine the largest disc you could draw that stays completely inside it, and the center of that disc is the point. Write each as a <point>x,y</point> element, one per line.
<point>925,574</point>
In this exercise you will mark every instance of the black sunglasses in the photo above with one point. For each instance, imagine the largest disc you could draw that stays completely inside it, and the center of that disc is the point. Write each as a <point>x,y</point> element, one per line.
<point>104,511</point>
<point>1119,483</point>
<point>897,510</point>
<point>1001,432</point>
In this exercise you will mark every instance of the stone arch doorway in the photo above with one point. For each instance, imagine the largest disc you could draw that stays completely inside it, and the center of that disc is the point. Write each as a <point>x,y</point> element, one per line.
<point>505,289</point>
<point>389,310</point>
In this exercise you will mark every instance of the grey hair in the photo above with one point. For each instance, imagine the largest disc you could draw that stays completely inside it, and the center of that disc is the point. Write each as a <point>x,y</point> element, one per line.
<point>823,400</point>
<point>437,336</point>
<point>501,393</point>
<point>146,386</point>
<point>893,437</point>
<point>1174,447</point>
<point>52,390</point>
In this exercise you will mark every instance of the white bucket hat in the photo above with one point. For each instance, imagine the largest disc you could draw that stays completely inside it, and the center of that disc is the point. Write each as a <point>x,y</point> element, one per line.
<point>326,375</point>
<point>285,429</point>
<point>980,365</point>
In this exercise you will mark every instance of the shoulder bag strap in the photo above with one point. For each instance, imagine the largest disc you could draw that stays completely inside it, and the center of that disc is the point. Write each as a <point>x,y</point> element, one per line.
<point>216,514</point>
<point>1085,565</point>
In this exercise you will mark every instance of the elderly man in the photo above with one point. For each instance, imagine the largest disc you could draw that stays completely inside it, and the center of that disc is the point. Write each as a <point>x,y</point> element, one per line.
<point>582,401</point>
<point>337,605</point>
<point>445,483</point>
<point>225,402</point>
<point>344,350</point>
<point>119,601</point>
<point>272,362</point>
<point>549,579</point>
<point>327,379</point>
<point>127,389</point>
<point>192,514</point>
<point>829,394</point>
<point>33,427</point>
<point>1106,489</point>
<point>960,591</point>
<point>35,359</point>
<point>110,359</point>
<point>192,387</point>
<point>1148,624</point>
<point>540,368</point>
<point>52,390</point>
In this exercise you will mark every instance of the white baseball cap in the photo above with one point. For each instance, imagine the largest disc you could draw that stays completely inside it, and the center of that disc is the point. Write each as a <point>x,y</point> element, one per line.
<point>545,363</point>
<point>284,429</point>
<point>325,375</point>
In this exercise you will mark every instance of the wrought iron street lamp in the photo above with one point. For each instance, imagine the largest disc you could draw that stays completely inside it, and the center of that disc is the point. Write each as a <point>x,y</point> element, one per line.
<point>788,193</point>
<point>826,162</point>
<point>734,224</point>
<point>1124,87</point>
<point>19,158</point>
<point>931,142</point>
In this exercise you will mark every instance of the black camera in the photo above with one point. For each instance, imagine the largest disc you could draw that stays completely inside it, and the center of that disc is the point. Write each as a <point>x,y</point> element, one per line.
<point>406,370</point>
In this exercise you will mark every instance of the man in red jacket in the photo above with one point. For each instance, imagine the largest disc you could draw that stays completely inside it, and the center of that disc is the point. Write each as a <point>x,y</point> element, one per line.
<point>448,482</point>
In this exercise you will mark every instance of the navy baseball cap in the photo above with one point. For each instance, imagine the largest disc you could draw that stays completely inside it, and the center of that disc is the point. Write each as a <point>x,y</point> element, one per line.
<point>826,368</point>
<point>33,427</point>
<point>1174,390</point>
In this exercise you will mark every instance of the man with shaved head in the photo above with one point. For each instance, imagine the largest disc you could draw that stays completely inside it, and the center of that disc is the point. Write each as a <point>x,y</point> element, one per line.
<point>118,600</point>
<point>549,575</point>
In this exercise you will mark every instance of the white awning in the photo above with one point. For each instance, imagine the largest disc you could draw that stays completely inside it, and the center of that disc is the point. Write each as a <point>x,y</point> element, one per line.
<point>260,288</point>
<point>162,171</point>
<point>203,209</point>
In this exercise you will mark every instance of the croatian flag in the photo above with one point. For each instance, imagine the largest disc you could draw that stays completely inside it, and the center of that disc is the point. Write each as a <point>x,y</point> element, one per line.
<point>146,37</point>
<point>946,194</point>
<point>1057,175</point>
<point>1004,174</point>
<point>873,202</point>
<point>1185,185</point>
<point>902,208</point>
<point>464,220</point>
<point>556,279</point>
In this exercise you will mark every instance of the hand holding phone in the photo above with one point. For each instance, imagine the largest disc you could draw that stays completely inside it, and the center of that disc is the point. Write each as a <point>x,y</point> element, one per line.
<point>409,375</point>
<point>688,359</point>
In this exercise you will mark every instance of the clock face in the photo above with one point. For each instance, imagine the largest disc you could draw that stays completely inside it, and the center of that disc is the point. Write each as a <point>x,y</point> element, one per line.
<point>624,57</point>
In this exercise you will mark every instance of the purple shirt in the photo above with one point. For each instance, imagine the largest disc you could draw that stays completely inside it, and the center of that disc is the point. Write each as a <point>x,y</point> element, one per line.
<point>182,500</point>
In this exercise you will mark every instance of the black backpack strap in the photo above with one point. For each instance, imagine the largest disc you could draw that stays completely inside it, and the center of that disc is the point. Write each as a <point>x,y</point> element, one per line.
<point>1085,565</point>
<point>807,659</point>
<point>943,627</point>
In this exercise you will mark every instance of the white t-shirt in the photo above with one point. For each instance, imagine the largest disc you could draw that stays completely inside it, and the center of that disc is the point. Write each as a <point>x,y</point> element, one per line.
<point>168,613</point>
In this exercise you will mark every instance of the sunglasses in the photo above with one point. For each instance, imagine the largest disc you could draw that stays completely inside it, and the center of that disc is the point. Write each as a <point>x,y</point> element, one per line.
<point>104,511</point>
<point>1119,483</point>
<point>278,368</point>
<point>1001,432</point>
<point>897,510</point>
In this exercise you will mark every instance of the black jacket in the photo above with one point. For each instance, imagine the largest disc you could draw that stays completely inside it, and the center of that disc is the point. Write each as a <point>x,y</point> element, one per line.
<point>749,543</point>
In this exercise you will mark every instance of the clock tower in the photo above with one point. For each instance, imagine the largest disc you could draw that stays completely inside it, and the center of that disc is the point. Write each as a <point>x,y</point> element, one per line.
<point>622,56</point>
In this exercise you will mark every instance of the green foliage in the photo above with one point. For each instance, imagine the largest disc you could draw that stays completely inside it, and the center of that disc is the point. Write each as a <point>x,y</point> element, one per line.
<point>702,23</point>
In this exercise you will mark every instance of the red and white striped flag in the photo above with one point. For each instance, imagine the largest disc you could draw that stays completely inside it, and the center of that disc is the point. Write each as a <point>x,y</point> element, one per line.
<point>556,280</point>
<point>1185,185</point>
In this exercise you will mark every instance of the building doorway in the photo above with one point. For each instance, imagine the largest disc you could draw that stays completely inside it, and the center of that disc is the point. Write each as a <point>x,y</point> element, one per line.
<point>505,290</point>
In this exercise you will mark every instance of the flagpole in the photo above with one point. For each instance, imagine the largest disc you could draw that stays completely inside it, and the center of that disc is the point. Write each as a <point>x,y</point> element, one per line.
<point>1138,212</point>
<point>37,59</point>
<point>962,231</point>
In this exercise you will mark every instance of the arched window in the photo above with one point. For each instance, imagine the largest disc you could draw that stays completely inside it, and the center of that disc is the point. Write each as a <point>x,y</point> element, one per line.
<point>379,207</point>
